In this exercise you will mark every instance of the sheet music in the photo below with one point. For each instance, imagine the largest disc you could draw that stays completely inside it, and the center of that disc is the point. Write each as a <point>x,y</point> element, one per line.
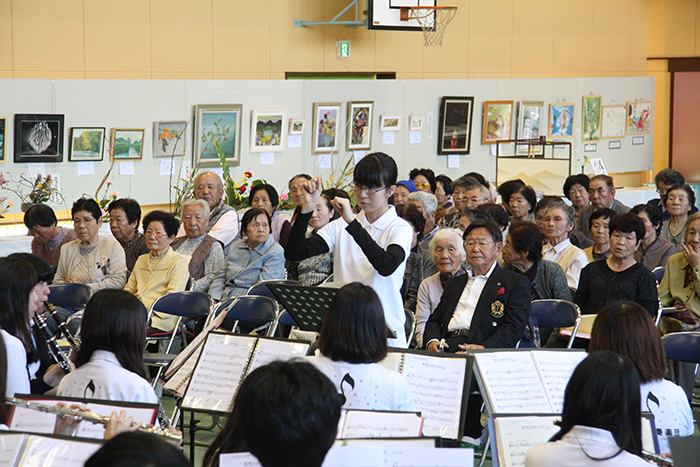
<point>238,459</point>
<point>178,382</point>
<point>218,372</point>
<point>53,452</point>
<point>429,457</point>
<point>512,382</point>
<point>555,369</point>
<point>437,385</point>
<point>10,448</point>
<point>355,455</point>
<point>516,435</point>
<point>269,350</point>
<point>375,424</point>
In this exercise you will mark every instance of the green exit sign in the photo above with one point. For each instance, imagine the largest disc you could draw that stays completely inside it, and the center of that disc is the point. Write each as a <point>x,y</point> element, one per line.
<point>343,48</point>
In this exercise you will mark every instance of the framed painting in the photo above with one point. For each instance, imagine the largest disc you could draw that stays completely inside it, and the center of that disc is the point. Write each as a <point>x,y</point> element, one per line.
<point>497,122</point>
<point>267,130</point>
<point>360,127</point>
<point>127,144</point>
<point>217,125</point>
<point>530,122</point>
<point>638,117</point>
<point>86,144</point>
<point>614,121</point>
<point>390,123</point>
<point>3,138</point>
<point>39,138</point>
<point>455,131</point>
<point>326,124</point>
<point>169,139</point>
<point>415,122</point>
<point>591,118</point>
<point>296,126</point>
<point>546,175</point>
<point>561,120</point>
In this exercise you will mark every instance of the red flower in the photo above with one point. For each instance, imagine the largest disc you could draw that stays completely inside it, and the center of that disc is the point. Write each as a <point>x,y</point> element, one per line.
<point>248,174</point>
<point>242,189</point>
<point>501,291</point>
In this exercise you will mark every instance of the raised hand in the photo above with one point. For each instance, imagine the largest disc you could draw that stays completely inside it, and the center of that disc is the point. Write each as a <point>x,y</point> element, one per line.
<point>342,205</point>
<point>312,192</point>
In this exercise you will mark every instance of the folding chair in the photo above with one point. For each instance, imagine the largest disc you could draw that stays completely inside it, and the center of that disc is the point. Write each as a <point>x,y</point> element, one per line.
<point>557,314</point>
<point>659,273</point>
<point>73,296</point>
<point>262,289</point>
<point>186,304</point>
<point>410,326</point>
<point>684,347</point>
<point>251,309</point>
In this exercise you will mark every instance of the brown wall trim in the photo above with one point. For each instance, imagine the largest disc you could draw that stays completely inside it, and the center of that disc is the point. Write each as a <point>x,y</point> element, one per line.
<point>680,63</point>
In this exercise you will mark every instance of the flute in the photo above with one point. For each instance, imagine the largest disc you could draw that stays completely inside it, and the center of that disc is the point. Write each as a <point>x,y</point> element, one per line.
<point>660,460</point>
<point>72,340</point>
<point>91,417</point>
<point>56,352</point>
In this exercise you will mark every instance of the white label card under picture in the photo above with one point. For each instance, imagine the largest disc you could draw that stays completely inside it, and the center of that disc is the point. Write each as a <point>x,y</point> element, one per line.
<point>590,147</point>
<point>324,161</point>
<point>126,168</point>
<point>267,158</point>
<point>388,137</point>
<point>453,161</point>
<point>86,168</point>
<point>614,145</point>
<point>294,141</point>
<point>415,137</point>
<point>358,155</point>
<point>166,166</point>
<point>637,140</point>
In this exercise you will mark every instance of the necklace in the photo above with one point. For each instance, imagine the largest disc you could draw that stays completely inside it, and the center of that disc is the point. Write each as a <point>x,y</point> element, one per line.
<point>674,238</point>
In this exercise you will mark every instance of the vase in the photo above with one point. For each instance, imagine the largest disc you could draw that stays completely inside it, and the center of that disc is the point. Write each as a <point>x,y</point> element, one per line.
<point>25,206</point>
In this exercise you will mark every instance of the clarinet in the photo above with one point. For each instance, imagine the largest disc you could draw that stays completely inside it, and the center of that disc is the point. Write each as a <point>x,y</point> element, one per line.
<point>91,417</point>
<point>56,352</point>
<point>72,340</point>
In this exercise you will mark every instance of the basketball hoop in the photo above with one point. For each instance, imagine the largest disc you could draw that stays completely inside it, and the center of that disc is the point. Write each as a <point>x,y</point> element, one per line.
<point>433,21</point>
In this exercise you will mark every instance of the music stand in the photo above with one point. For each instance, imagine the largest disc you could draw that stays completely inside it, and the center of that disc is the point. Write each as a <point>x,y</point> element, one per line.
<point>307,305</point>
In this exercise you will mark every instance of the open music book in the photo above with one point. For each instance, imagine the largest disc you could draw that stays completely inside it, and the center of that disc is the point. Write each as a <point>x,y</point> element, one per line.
<point>379,424</point>
<point>439,385</point>
<point>29,450</point>
<point>225,360</point>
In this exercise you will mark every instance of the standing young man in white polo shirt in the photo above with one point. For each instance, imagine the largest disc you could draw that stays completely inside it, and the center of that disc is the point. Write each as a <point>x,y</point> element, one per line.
<point>371,247</point>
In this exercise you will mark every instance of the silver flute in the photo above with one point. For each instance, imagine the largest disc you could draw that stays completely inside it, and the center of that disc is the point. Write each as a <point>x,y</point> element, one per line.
<point>91,417</point>
<point>659,460</point>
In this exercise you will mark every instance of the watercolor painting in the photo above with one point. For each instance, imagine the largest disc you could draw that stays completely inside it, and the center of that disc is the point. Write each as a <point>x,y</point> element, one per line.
<point>170,139</point>
<point>127,143</point>
<point>325,137</point>
<point>217,123</point>
<point>561,120</point>
<point>360,128</point>
<point>614,121</point>
<point>591,123</point>
<point>86,144</point>
<point>497,123</point>
<point>267,131</point>
<point>638,117</point>
<point>530,120</point>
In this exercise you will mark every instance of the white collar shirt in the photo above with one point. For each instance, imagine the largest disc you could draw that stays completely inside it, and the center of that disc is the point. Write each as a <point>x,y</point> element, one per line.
<point>573,273</point>
<point>464,312</point>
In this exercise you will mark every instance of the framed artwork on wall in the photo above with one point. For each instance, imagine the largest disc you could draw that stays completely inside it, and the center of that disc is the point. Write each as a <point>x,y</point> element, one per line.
<point>561,120</point>
<point>638,117</point>
<point>39,138</point>
<point>546,174</point>
<point>296,126</point>
<point>86,144</point>
<point>267,130</point>
<point>169,139</point>
<point>360,127</point>
<point>390,123</point>
<point>217,123</point>
<point>614,121</point>
<point>497,122</point>
<point>326,124</point>
<point>127,144</point>
<point>3,138</point>
<point>455,133</point>
<point>415,122</point>
<point>591,118</point>
<point>531,119</point>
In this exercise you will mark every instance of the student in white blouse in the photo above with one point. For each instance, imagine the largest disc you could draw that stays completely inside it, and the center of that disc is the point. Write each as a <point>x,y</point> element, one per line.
<point>110,361</point>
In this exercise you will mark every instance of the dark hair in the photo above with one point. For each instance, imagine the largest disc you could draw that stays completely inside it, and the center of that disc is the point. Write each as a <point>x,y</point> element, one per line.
<point>626,328</point>
<point>88,205</point>
<point>605,213</point>
<point>376,170</point>
<point>526,237</point>
<point>170,223</point>
<point>479,178</point>
<point>413,216</point>
<point>304,176</point>
<point>603,392</point>
<point>493,229</point>
<point>653,214</point>
<point>446,183</point>
<point>285,413</point>
<point>669,177</point>
<point>428,174</point>
<point>41,215</point>
<point>604,178</point>
<point>477,215</point>
<point>114,320</point>
<point>131,208</point>
<point>580,179</point>
<point>271,193</point>
<point>4,409</point>
<point>497,213</point>
<point>509,187</point>
<point>628,223</point>
<point>354,330</point>
<point>137,449</point>
<point>529,194</point>
<point>251,214</point>
<point>43,269</point>
<point>17,279</point>
<point>688,190</point>
<point>328,195</point>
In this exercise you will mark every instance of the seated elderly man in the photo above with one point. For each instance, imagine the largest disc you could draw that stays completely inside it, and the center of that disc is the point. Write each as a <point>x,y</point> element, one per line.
<point>48,236</point>
<point>485,308</point>
<point>557,221</point>
<point>223,219</point>
<point>602,193</point>
<point>207,253</point>
<point>426,204</point>
<point>467,192</point>
<point>124,218</point>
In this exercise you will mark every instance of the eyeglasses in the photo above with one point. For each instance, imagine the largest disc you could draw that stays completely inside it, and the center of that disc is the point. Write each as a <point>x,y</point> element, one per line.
<point>473,243</point>
<point>423,186</point>
<point>372,191</point>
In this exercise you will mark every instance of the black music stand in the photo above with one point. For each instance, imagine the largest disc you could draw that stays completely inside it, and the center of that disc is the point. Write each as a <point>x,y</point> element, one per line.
<point>307,305</point>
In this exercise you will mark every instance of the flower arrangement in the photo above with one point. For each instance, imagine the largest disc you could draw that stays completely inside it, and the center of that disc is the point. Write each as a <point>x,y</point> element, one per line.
<point>42,189</point>
<point>4,207</point>
<point>184,189</point>
<point>104,199</point>
<point>286,204</point>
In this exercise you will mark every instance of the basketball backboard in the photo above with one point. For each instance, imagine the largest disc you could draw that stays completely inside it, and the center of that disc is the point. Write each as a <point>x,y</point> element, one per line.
<point>386,14</point>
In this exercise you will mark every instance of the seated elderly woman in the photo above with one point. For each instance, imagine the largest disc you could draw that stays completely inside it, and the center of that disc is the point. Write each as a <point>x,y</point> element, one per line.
<point>413,274</point>
<point>522,203</point>
<point>162,270</point>
<point>557,221</point>
<point>124,218</point>
<point>598,225</point>
<point>576,189</point>
<point>265,197</point>
<point>207,253</point>
<point>576,237</point>
<point>96,261</point>
<point>654,251</point>
<point>619,277</point>
<point>679,202</point>
<point>48,236</point>
<point>447,249</point>
<point>254,258</point>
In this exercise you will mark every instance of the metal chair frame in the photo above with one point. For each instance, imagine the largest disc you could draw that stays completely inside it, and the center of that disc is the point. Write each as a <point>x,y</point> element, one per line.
<point>538,308</point>
<point>70,295</point>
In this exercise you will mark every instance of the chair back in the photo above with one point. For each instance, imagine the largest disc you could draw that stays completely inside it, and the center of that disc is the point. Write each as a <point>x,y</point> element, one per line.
<point>253,309</point>
<point>69,295</point>
<point>410,326</point>
<point>186,304</point>
<point>557,314</point>
<point>659,273</point>
<point>262,289</point>
<point>682,346</point>
<point>286,318</point>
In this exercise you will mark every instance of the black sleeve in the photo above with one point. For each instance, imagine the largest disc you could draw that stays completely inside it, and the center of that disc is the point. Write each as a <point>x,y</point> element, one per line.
<point>581,297</point>
<point>647,292</point>
<point>298,247</point>
<point>384,261</point>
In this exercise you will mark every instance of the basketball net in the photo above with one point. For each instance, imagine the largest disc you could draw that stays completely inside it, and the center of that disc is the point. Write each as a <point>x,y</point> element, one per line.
<point>433,21</point>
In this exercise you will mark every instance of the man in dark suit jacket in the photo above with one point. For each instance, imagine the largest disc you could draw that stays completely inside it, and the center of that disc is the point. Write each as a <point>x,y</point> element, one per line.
<point>487,308</point>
